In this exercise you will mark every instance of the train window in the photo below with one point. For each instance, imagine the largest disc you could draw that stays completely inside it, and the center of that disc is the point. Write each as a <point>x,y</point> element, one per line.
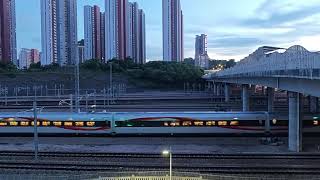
<point>316,123</point>
<point>80,124</point>
<point>14,123</point>
<point>198,123</point>
<point>222,123</point>
<point>90,124</point>
<point>32,123</point>
<point>3,124</point>
<point>24,123</point>
<point>46,123</point>
<point>68,124</point>
<point>175,124</point>
<point>57,123</point>
<point>234,123</point>
<point>166,124</point>
<point>210,123</point>
<point>187,123</point>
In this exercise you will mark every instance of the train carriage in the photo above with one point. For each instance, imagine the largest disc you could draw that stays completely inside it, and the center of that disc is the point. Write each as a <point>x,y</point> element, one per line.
<point>179,123</point>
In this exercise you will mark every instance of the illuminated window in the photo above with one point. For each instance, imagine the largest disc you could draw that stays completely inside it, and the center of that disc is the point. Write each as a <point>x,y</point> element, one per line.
<point>187,123</point>
<point>80,124</point>
<point>175,124</point>
<point>166,124</point>
<point>198,123</point>
<point>91,124</point>
<point>24,123</point>
<point>67,123</point>
<point>3,124</point>
<point>274,121</point>
<point>316,123</point>
<point>46,123</point>
<point>210,123</point>
<point>222,123</point>
<point>234,123</point>
<point>14,123</point>
<point>57,123</point>
<point>32,123</point>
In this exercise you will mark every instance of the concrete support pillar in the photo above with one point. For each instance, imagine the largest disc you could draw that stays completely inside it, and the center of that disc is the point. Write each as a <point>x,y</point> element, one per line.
<point>313,104</point>
<point>226,92</point>
<point>270,93</point>
<point>219,89</point>
<point>245,98</point>
<point>214,89</point>
<point>295,122</point>
<point>209,86</point>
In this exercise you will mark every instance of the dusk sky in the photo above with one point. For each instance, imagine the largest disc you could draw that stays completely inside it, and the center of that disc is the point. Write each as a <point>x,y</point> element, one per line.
<point>235,28</point>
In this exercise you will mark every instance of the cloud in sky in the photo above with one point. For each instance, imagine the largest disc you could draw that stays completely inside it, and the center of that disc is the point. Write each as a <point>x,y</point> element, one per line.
<point>234,28</point>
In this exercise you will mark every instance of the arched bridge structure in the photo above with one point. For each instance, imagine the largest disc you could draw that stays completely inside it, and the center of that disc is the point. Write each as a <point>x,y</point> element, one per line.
<point>295,70</point>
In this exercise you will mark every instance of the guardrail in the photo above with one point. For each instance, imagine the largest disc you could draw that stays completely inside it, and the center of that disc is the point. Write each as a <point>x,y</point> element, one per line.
<point>296,62</point>
<point>293,73</point>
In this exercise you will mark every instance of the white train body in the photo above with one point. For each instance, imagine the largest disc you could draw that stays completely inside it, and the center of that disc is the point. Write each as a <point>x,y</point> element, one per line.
<point>184,123</point>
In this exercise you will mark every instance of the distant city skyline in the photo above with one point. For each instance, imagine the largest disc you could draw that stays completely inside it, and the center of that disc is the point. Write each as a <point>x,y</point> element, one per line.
<point>235,28</point>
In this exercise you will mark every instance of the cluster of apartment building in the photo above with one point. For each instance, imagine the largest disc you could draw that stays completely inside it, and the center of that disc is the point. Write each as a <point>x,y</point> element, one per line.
<point>118,32</point>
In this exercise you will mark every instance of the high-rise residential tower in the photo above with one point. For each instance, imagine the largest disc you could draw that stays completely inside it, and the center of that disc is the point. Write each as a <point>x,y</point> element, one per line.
<point>8,44</point>
<point>94,33</point>
<point>172,22</point>
<point>116,26</point>
<point>59,32</point>
<point>201,51</point>
<point>136,46</point>
<point>201,45</point>
<point>125,31</point>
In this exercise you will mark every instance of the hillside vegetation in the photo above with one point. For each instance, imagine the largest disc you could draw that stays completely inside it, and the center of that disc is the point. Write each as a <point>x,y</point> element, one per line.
<point>156,74</point>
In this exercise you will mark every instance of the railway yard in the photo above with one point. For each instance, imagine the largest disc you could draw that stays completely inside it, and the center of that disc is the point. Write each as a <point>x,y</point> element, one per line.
<point>213,156</point>
<point>207,156</point>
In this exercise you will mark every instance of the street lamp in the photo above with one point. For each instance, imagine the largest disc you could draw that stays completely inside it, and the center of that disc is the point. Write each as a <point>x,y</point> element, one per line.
<point>169,153</point>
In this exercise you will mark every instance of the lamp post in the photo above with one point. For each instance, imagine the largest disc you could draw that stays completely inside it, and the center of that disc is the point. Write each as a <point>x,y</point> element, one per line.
<point>169,153</point>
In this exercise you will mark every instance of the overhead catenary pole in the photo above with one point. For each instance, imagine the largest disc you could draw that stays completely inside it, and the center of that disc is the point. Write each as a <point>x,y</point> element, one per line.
<point>77,87</point>
<point>35,141</point>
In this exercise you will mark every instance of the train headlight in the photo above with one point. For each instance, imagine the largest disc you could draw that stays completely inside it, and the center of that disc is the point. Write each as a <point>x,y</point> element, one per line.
<point>274,121</point>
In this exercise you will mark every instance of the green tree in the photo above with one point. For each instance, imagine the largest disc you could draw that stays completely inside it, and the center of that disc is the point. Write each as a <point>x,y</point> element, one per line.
<point>8,67</point>
<point>189,61</point>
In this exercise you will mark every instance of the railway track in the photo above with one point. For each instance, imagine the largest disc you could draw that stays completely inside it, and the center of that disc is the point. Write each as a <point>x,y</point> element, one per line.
<point>213,169</point>
<point>294,156</point>
<point>198,163</point>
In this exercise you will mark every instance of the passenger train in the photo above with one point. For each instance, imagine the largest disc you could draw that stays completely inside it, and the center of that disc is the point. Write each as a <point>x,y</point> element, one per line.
<point>145,124</point>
